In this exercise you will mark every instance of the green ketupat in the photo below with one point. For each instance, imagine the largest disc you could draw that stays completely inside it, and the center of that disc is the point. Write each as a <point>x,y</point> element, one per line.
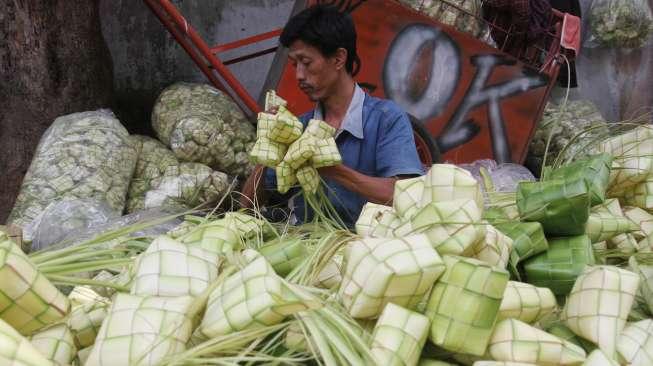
<point>464,304</point>
<point>56,344</point>
<point>635,344</point>
<point>525,302</point>
<point>399,336</point>
<point>381,271</point>
<point>17,350</point>
<point>28,301</point>
<point>169,268</point>
<point>599,303</point>
<point>516,341</point>
<point>202,124</point>
<point>561,264</point>
<point>142,330</point>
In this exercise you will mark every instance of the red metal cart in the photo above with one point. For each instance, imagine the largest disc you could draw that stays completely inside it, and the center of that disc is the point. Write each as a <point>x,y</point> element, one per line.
<point>466,99</point>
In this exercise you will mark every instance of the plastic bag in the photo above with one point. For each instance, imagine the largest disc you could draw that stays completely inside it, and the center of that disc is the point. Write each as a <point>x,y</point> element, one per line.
<point>61,218</point>
<point>620,23</point>
<point>506,177</point>
<point>564,124</point>
<point>81,156</point>
<point>464,15</point>
<point>201,124</point>
<point>186,186</point>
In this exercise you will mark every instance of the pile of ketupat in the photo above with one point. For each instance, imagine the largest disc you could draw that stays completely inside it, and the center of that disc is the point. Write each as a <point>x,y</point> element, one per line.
<point>558,273</point>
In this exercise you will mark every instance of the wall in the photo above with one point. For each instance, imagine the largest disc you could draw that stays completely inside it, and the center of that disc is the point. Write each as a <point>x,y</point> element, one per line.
<point>146,58</point>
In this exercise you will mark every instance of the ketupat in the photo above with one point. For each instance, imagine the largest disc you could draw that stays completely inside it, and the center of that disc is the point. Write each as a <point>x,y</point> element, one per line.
<point>284,254</point>
<point>561,264</point>
<point>71,162</point>
<point>464,304</point>
<point>594,170</point>
<point>599,303</point>
<point>380,271</point>
<point>56,344</point>
<point>170,268</point>
<point>142,330</point>
<point>598,358</point>
<point>525,302</point>
<point>446,182</point>
<point>635,344</point>
<point>561,206</point>
<point>202,124</point>
<point>17,350</point>
<point>251,298</point>
<point>28,301</point>
<point>645,273</point>
<point>369,217</point>
<point>642,219</point>
<point>85,322</point>
<point>407,198</point>
<point>633,160</point>
<point>399,336</point>
<point>494,248</point>
<point>453,227</point>
<point>603,224</point>
<point>516,341</point>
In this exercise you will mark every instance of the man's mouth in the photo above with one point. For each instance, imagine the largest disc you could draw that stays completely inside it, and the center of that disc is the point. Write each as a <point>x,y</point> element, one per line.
<point>306,89</point>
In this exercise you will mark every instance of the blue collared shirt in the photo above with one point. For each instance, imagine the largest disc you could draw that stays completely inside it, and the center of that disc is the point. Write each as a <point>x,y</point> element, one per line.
<point>375,139</point>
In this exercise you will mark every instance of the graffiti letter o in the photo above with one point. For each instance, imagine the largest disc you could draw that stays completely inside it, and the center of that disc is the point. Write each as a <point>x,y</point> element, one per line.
<point>442,79</point>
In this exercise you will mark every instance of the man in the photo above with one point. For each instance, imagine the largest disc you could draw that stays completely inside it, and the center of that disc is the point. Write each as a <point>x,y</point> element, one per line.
<point>374,136</point>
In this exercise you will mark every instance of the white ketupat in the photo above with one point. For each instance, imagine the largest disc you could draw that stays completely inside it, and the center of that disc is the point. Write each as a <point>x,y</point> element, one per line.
<point>399,336</point>
<point>645,273</point>
<point>599,304</point>
<point>635,343</point>
<point>85,322</point>
<point>452,227</point>
<point>516,341</point>
<point>142,330</point>
<point>446,182</point>
<point>28,301</point>
<point>383,270</point>
<point>408,196</point>
<point>369,217</point>
<point>17,350</point>
<point>386,223</point>
<point>642,219</point>
<point>170,268</point>
<point>607,221</point>
<point>598,358</point>
<point>494,248</point>
<point>501,363</point>
<point>56,344</point>
<point>251,298</point>
<point>525,302</point>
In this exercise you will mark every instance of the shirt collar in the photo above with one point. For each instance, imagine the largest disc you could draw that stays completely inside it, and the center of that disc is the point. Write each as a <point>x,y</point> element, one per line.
<point>353,121</point>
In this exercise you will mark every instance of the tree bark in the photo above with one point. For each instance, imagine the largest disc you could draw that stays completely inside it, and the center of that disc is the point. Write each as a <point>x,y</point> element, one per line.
<point>53,61</point>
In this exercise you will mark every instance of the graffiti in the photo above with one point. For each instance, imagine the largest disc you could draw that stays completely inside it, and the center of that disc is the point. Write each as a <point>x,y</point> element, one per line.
<point>460,130</point>
<point>439,79</point>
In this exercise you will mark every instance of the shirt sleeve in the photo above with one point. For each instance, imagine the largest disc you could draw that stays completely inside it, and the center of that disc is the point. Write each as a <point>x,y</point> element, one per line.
<point>396,153</point>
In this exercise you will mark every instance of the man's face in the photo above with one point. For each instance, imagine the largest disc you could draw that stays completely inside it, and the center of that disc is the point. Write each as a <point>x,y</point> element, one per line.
<point>316,74</point>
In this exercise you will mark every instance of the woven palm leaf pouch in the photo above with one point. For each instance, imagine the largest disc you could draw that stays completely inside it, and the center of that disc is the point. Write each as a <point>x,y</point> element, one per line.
<point>561,264</point>
<point>595,171</point>
<point>561,206</point>
<point>635,345</point>
<point>464,304</point>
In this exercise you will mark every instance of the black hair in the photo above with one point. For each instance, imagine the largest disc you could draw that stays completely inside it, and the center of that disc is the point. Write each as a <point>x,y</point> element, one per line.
<point>327,29</point>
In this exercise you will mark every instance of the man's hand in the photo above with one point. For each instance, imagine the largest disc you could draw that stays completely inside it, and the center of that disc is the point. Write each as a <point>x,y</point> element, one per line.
<point>252,191</point>
<point>375,189</point>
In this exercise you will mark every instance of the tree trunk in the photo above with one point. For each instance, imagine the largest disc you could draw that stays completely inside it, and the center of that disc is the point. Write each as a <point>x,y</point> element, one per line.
<point>53,61</point>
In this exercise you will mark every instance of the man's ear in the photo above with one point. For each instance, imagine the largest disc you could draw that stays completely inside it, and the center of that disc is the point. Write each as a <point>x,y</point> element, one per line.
<point>340,58</point>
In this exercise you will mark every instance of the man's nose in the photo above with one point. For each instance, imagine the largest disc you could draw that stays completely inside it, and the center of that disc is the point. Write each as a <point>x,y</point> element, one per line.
<point>299,73</point>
